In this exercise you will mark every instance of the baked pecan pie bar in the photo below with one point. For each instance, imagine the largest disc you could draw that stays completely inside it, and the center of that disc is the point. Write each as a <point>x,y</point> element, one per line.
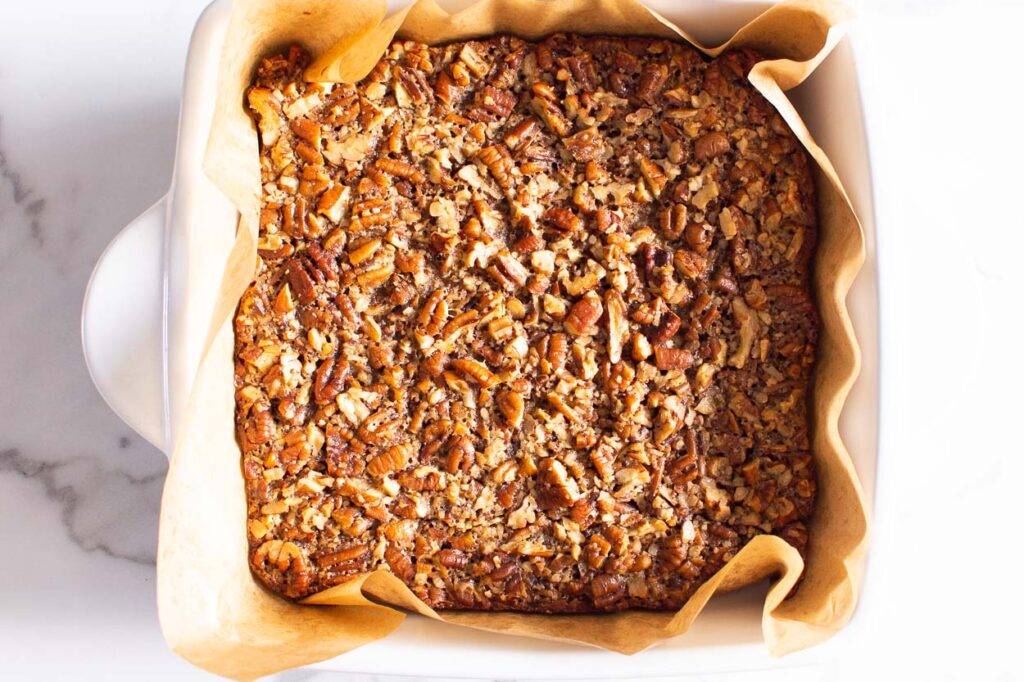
<point>531,326</point>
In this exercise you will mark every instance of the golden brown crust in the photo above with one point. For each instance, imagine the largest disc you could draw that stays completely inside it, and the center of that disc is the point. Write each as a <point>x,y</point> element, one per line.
<point>531,326</point>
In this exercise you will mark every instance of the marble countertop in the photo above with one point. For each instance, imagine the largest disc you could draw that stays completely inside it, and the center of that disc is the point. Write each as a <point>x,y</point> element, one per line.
<point>88,111</point>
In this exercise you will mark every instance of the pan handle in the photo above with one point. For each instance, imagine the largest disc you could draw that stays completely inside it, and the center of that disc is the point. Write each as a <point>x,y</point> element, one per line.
<point>123,323</point>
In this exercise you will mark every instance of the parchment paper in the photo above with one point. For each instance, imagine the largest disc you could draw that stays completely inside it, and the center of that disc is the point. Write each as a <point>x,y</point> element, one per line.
<point>211,609</point>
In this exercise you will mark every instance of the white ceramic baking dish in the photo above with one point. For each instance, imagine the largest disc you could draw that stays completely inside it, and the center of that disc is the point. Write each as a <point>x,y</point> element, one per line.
<point>145,314</point>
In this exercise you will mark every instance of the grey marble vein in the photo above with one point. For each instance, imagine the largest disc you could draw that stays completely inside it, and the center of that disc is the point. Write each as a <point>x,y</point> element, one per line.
<point>100,482</point>
<point>90,522</point>
<point>25,198</point>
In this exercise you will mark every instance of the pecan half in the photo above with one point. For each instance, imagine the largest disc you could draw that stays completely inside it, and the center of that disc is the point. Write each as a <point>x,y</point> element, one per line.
<point>711,145</point>
<point>510,405</point>
<point>562,220</point>
<point>554,489</point>
<point>302,283</point>
<point>672,358</point>
<point>329,379</point>
<point>583,316</point>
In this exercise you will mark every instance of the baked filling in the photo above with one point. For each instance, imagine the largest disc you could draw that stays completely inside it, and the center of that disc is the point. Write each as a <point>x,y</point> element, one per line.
<point>531,326</point>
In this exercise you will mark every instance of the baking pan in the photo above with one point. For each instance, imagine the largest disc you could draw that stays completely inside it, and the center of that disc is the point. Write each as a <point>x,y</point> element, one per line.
<point>145,311</point>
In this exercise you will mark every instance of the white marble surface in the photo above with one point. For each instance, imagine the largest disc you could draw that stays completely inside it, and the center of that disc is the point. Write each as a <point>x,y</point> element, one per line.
<point>88,108</point>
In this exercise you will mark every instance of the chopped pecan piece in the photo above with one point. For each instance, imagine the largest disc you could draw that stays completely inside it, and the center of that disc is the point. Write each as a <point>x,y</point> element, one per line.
<point>401,169</point>
<point>584,71</point>
<point>552,115</point>
<point>415,84</point>
<point>558,403</point>
<point>399,563</point>
<point>655,177</point>
<point>379,427</point>
<point>673,220</point>
<point>618,324</point>
<point>608,590</point>
<point>392,459</point>
<point>474,61</point>
<point>509,272</point>
<point>666,329</point>
<point>445,88</point>
<point>698,238</point>
<point>260,427</point>
<point>461,454</point>
<point>268,112</point>
<point>434,312</point>
<point>343,556</point>
<point>492,104</point>
<point>528,243</point>
<point>586,145</point>
<point>452,558</point>
<point>475,371</point>
<point>499,163</point>
<point>555,488</point>
<point>522,133</point>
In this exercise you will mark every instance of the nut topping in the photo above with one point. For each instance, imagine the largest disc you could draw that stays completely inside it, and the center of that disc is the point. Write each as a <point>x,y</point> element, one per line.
<point>531,326</point>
